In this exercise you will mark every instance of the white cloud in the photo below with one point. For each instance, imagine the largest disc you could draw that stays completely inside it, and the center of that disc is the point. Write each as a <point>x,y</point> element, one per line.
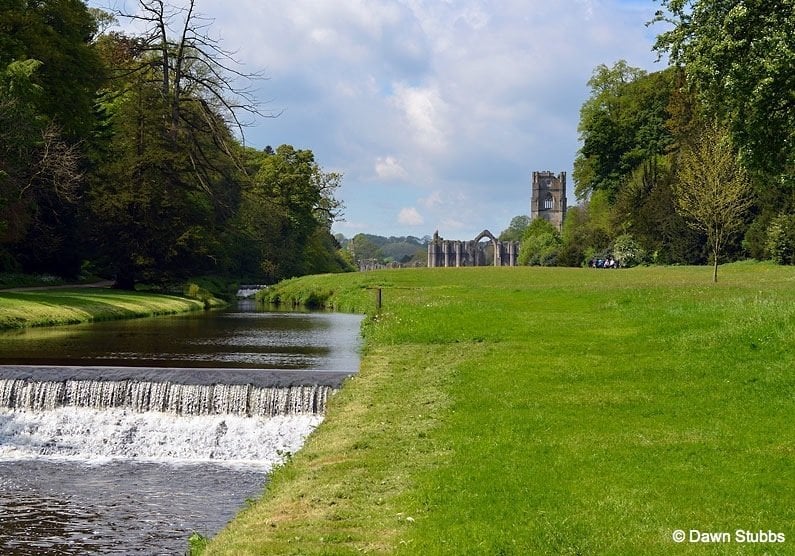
<point>424,111</point>
<point>389,169</point>
<point>432,201</point>
<point>409,216</point>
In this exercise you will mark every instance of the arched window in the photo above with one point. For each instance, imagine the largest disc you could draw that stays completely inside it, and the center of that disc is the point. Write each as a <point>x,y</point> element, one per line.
<point>549,202</point>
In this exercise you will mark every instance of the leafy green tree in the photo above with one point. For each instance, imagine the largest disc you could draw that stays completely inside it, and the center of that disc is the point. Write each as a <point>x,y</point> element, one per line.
<point>712,189</point>
<point>541,244</point>
<point>516,228</point>
<point>169,173</point>
<point>739,58</point>
<point>59,36</point>
<point>285,216</point>
<point>622,126</point>
<point>49,72</point>
<point>158,207</point>
<point>40,178</point>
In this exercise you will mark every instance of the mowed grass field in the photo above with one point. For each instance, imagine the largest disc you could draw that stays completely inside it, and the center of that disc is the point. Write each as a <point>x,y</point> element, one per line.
<point>547,411</point>
<point>71,306</point>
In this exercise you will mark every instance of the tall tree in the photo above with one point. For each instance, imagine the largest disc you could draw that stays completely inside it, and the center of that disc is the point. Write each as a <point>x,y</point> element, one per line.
<point>156,213</point>
<point>191,68</point>
<point>49,72</point>
<point>739,58</point>
<point>712,190</point>
<point>286,213</point>
<point>40,178</point>
<point>168,181</point>
<point>622,126</point>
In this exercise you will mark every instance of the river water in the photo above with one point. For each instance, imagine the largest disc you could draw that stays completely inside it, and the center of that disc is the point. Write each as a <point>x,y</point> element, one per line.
<point>115,480</point>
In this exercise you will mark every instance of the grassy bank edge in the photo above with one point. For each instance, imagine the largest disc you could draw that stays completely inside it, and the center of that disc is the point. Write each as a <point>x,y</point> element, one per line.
<point>57,307</point>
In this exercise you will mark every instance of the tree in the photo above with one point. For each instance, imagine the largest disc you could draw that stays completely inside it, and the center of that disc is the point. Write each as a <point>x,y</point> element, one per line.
<point>541,244</point>
<point>285,216</point>
<point>49,73</point>
<point>40,177</point>
<point>515,229</point>
<point>169,169</point>
<point>152,217</point>
<point>739,59</point>
<point>190,68</point>
<point>712,190</point>
<point>622,127</point>
<point>780,242</point>
<point>58,35</point>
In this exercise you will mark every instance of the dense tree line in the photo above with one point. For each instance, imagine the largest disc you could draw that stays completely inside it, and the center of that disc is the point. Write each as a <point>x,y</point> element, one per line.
<point>696,162</point>
<point>124,153</point>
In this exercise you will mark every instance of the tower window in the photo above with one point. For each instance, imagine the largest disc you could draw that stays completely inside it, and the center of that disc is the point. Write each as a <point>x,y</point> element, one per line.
<point>548,202</point>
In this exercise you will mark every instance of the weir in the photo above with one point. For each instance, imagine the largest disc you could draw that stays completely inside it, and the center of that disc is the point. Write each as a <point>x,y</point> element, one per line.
<point>190,392</point>
<point>248,417</point>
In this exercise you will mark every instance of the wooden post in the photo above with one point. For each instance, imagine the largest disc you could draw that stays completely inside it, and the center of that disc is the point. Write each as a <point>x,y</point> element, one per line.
<point>378,298</point>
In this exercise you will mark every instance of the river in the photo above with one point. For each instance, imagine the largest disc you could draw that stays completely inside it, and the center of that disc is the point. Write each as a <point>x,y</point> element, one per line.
<point>168,434</point>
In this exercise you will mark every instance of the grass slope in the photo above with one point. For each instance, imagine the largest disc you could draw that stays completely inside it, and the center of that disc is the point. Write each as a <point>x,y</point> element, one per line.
<point>546,411</point>
<point>72,306</point>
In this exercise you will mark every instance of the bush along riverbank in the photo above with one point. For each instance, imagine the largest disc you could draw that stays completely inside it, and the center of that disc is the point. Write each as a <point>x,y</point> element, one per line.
<point>20,309</point>
<point>544,410</point>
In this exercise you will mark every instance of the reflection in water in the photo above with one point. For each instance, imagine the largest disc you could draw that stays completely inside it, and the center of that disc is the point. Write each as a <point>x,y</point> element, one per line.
<point>233,338</point>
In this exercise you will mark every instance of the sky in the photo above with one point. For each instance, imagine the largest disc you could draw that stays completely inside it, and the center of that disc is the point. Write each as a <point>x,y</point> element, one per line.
<point>436,112</point>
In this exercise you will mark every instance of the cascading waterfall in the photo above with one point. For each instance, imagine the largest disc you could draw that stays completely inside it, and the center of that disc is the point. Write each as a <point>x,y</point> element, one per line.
<point>165,397</point>
<point>126,415</point>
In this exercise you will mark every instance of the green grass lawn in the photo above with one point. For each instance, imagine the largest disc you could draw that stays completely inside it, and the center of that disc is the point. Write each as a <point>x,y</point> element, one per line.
<point>72,306</point>
<point>546,411</point>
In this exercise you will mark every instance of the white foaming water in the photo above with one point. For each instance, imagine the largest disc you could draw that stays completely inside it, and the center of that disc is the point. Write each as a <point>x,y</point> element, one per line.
<point>178,399</point>
<point>96,435</point>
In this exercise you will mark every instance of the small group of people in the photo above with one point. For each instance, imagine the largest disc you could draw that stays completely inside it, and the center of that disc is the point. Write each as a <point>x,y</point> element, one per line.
<point>608,262</point>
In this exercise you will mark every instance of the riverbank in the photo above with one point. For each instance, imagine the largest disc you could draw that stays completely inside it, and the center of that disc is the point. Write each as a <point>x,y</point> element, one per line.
<point>544,410</point>
<point>59,306</point>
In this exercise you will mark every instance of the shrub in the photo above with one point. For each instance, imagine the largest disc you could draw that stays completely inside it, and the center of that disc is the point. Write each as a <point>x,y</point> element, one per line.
<point>194,291</point>
<point>628,252</point>
<point>781,239</point>
<point>540,250</point>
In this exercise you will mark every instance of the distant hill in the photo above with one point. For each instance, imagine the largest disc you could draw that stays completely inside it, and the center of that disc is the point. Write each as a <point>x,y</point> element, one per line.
<point>404,249</point>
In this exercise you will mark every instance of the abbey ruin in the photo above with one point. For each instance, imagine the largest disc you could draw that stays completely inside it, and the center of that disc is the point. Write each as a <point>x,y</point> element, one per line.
<point>445,252</point>
<point>547,201</point>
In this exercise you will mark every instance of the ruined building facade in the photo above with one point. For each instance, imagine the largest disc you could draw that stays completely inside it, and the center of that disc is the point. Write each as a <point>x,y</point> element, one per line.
<point>446,252</point>
<point>548,198</point>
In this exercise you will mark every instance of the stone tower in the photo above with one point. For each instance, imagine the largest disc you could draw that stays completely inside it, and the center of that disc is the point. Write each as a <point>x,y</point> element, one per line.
<point>548,199</point>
